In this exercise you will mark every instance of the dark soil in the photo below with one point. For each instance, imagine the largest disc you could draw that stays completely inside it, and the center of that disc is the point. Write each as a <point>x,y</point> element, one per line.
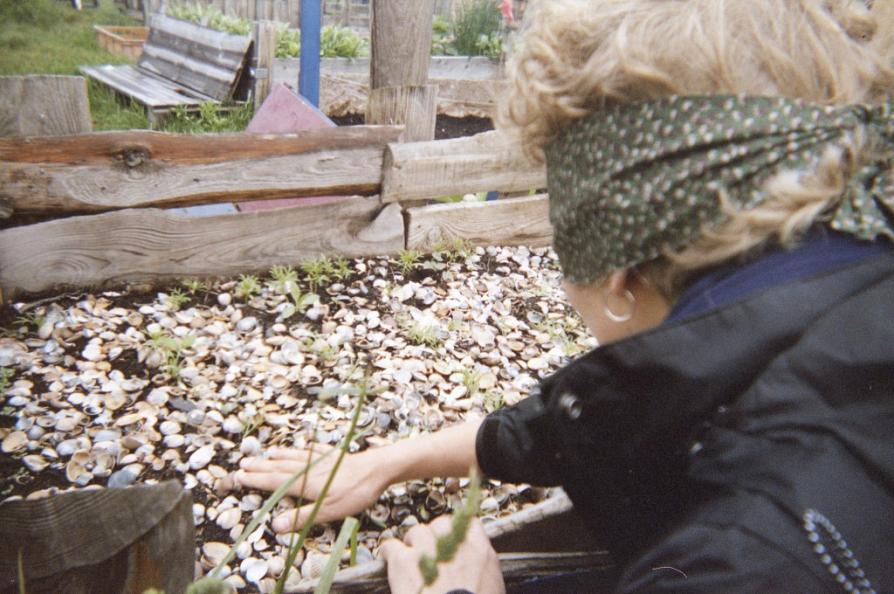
<point>445,126</point>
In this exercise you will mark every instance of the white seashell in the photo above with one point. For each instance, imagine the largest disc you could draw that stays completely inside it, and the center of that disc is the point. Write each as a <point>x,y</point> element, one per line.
<point>537,364</point>
<point>313,565</point>
<point>253,569</point>
<point>35,463</point>
<point>229,518</point>
<point>275,566</point>
<point>93,351</point>
<point>176,440</point>
<point>215,552</point>
<point>246,324</point>
<point>267,585</point>
<point>77,473</point>
<point>128,419</point>
<point>169,428</point>
<point>250,446</point>
<point>14,442</point>
<point>244,550</point>
<point>201,457</point>
<point>235,581</point>
<point>290,351</point>
<point>251,502</point>
<point>232,425</point>
<point>224,299</point>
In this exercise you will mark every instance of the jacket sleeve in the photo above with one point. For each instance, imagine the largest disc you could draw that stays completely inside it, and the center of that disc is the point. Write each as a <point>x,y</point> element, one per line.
<point>514,444</point>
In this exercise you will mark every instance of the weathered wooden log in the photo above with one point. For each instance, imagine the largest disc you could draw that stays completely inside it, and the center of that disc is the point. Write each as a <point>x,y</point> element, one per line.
<point>511,221</point>
<point>414,107</point>
<point>484,162</point>
<point>153,245</point>
<point>108,540</point>
<point>108,171</point>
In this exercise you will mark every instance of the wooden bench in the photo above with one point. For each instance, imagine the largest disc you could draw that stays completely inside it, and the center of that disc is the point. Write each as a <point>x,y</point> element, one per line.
<point>182,64</point>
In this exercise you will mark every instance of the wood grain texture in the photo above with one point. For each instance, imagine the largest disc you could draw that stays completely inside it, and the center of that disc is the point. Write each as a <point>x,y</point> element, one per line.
<point>401,42</point>
<point>146,89</point>
<point>413,107</point>
<point>92,188</point>
<point>264,50</point>
<point>44,106</point>
<point>511,221</point>
<point>105,147</point>
<point>484,162</point>
<point>149,244</point>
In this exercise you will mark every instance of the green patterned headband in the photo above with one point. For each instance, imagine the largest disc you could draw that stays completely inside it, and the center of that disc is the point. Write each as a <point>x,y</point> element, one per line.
<point>628,182</point>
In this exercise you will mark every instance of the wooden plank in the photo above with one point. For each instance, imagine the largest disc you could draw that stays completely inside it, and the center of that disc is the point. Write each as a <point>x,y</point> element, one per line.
<point>145,89</point>
<point>105,147</point>
<point>149,244</point>
<point>511,221</point>
<point>45,188</point>
<point>401,42</point>
<point>414,107</point>
<point>44,106</point>
<point>484,162</point>
<point>199,35</point>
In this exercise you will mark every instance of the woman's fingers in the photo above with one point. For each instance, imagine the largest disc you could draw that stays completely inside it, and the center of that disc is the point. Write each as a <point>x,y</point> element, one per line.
<point>298,454</point>
<point>286,521</point>
<point>422,537</point>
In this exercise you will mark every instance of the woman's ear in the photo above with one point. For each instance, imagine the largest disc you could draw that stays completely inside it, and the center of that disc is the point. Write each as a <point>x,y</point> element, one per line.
<point>618,283</point>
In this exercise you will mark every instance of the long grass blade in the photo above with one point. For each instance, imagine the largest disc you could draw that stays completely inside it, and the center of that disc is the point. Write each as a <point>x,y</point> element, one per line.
<point>348,532</point>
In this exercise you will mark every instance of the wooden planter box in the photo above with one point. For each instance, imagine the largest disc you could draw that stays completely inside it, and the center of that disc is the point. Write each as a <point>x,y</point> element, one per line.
<point>122,41</point>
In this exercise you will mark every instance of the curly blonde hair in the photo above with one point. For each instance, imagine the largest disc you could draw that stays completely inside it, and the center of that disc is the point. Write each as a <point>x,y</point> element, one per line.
<point>579,56</point>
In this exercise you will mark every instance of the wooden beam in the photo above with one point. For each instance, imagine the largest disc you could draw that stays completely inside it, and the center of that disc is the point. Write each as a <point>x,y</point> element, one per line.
<point>149,244</point>
<point>136,169</point>
<point>415,107</point>
<point>44,106</point>
<point>100,147</point>
<point>511,221</point>
<point>484,162</point>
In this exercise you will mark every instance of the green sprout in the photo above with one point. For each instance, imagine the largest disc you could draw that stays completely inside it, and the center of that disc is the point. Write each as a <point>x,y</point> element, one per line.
<point>6,375</point>
<point>423,334</point>
<point>300,302</point>
<point>247,286</point>
<point>493,402</point>
<point>30,320</point>
<point>284,278</point>
<point>471,381</point>
<point>194,285</point>
<point>407,260</point>
<point>176,299</point>
<point>317,271</point>
<point>172,350</point>
<point>341,268</point>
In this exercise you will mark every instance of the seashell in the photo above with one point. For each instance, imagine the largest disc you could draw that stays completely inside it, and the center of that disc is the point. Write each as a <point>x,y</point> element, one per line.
<point>251,502</point>
<point>244,550</point>
<point>399,513</point>
<point>14,442</point>
<point>128,419</point>
<point>489,505</point>
<point>77,473</point>
<point>121,479</point>
<point>290,352</point>
<point>176,440</point>
<point>250,446</point>
<point>169,427</point>
<point>313,565</point>
<point>215,552</point>
<point>275,566</point>
<point>537,363</point>
<point>253,569</point>
<point>435,502</point>
<point>229,518</point>
<point>267,585</point>
<point>35,463</point>
<point>235,581</point>
<point>93,350</point>
<point>232,425</point>
<point>224,299</point>
<point>246,324</point>
<point>201,457</point>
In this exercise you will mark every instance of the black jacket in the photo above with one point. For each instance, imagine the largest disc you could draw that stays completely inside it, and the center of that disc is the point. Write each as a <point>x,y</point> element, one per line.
<point>736,451</point>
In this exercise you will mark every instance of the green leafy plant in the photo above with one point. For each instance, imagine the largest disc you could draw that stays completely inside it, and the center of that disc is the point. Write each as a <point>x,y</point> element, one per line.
<point>171,349</point>
<point>300,302</point>
<point>317,271</point>
<point>471,380</point>
<point>441,38</point>
<point>6,375</point>
<point>407,260</point>
<point>342,42</point>
<point>288,42</point>
<point>248,286</point>
<point>284,278</point>
<point>210,118</point>
<point>209,16</point>
<point>423,334</point>
<point>176,299</point>
<point>29,321</point>
<point>341,268</point>
<point>194,285</point>
<point>447,545</point>
<point>475,19</point>
<point>493,401</point>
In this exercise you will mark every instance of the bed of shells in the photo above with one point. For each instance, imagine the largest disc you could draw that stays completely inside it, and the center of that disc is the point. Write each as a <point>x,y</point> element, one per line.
<point>122,387</point>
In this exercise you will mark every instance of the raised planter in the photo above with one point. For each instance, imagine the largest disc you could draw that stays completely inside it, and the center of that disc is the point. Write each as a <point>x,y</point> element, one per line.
<point>122,41</point>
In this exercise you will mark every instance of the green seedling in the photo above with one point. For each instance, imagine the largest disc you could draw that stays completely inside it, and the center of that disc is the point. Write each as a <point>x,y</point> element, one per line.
<point>300,303</point>
<point>284,279</point>
<point>341,268</point>
<point>248,286</point>
<point>317,271</point>
<point>176,299</point>
<point>493,402</point>
<point>471,381</point>
<point>6,375</point>
<point>407,260</point>
<point>194,285</point>
<point>423,334</point>
<point>29,321</point>
<point>171,349</point>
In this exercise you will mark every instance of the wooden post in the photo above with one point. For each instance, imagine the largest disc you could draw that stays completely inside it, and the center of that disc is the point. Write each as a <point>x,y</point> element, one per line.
<point>264,47</point>
<point>401,48</point>
<point>39,105</point>
<point>147,12</point>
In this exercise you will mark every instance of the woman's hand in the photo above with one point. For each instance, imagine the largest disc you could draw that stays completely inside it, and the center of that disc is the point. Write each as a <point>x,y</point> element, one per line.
<point>360,480</point>
<point>475,567</point>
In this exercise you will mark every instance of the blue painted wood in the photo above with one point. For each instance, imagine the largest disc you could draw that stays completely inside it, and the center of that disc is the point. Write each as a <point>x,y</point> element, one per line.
<point>309,77</point>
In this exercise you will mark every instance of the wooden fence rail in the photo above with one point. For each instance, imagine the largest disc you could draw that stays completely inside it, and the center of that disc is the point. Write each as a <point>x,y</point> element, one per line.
<point>130,174</point>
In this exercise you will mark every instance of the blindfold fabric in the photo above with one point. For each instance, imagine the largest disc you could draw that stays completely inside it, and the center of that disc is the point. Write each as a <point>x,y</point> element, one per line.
<point>629,182</point>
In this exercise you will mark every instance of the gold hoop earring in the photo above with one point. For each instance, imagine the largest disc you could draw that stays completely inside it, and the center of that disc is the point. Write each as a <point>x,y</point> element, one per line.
<point>614,317</point>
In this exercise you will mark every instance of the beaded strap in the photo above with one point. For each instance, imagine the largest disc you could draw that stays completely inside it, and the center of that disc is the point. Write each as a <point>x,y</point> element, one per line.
<point>834,554</point>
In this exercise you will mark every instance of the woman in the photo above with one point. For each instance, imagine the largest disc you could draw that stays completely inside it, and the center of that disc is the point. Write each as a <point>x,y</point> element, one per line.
<point>723,205</point>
